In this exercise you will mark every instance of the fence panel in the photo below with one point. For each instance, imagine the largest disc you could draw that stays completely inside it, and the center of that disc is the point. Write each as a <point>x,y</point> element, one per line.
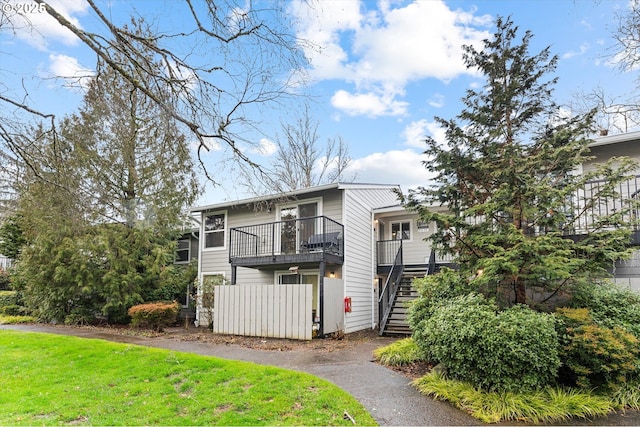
<point>278,311</point>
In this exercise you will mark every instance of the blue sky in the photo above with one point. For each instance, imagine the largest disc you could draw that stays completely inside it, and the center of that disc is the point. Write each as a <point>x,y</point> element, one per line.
<point>386,68</point>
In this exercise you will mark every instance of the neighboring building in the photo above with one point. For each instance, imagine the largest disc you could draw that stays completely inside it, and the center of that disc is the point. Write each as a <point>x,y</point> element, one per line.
<point>625,272</point>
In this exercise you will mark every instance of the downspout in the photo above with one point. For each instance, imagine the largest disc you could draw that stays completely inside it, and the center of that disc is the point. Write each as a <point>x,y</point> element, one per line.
<point>200,250</point>
<point>374,298</point>
<point>323,269</point>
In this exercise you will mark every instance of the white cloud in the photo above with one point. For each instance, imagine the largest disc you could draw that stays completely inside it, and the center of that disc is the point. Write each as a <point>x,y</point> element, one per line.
<point>584,47</point>
<point>416,133</point>
<point>437,101</point>
<point>39,29</point>
<point>381,51</point>
<point>368,104</point>
<point>69,69</point>
<point>401,167</point>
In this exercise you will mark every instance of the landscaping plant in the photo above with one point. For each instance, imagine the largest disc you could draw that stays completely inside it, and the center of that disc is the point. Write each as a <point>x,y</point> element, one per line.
<point>156,315</point>
<point>506,174</point>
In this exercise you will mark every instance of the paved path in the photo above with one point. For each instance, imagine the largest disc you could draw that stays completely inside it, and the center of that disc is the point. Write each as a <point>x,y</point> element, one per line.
<point>386,394</point>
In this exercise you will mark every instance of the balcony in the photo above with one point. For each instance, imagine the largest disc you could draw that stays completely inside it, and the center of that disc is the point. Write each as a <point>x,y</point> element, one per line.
<point>292,241</point>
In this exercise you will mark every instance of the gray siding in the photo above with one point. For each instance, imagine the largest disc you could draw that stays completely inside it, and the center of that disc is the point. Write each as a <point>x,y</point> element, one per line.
<point>217,261</point>
<point>416,250</point>
<point>605,152</point>
<point>358,270</point>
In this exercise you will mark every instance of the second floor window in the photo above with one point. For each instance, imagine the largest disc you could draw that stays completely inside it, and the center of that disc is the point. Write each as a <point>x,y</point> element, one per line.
<point>401,231</point>
<point>182,251</point>
<point>214,230</point>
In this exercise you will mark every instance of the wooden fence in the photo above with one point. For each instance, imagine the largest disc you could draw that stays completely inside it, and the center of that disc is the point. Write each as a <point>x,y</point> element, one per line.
<point>5,262</point>
<point>278,311</point>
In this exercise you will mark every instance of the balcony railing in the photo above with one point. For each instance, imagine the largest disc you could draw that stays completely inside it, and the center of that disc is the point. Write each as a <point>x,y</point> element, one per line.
<point>317,235</point>
<point>584,217</point>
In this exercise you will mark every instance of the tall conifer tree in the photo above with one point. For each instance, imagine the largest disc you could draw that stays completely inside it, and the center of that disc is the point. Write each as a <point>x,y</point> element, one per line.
<point>508,176</point>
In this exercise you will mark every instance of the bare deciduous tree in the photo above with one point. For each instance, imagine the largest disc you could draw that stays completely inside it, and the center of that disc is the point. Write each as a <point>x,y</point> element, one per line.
<point>233,60</point>
<point>617,113</point>
<point>302,161</point>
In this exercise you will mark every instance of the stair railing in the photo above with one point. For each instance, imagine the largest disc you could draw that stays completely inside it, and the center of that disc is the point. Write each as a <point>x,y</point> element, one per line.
<point>431,267</point>
<point>390,289</point>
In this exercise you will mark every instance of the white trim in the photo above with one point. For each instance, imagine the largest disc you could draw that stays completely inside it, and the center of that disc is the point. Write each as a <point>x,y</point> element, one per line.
<point>203,232</point>
<point>297,203</point>
<point>614,139</point>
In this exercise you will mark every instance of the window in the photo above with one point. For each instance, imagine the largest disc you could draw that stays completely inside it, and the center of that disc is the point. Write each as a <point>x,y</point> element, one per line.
<point>214,230</point>
<point>401,230</point>
<point>183,251</point>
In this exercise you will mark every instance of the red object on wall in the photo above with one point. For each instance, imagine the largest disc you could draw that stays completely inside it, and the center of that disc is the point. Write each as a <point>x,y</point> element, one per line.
<point>347,304</point>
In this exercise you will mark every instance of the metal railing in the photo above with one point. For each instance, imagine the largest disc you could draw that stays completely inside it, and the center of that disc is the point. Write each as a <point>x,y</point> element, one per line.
<point>386,251</point>
<point>390,289</point>
<point>583,215</point>
<point>287,237</point>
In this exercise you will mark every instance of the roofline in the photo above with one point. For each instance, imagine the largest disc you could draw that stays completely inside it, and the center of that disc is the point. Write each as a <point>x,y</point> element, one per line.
<point>290,194</point>
<point>614,139</point>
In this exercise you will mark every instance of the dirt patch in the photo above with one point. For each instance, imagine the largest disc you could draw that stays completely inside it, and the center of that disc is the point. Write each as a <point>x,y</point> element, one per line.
<point>414,370</point>
<point>327,344</point>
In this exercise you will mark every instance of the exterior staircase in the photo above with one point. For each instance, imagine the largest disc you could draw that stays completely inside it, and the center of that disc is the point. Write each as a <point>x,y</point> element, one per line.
<point>397,320</point>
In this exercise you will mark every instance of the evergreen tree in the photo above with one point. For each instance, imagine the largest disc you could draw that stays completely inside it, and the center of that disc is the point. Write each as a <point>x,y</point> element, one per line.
<point>102,203</point>
<point>507,174</point>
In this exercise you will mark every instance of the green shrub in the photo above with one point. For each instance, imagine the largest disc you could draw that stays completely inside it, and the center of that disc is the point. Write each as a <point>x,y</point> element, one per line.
<point>174,283</point>
<point>610,305</point>
<point>512,350</point>
<point>156,315</point>
<point>595,356</point>
<point>433,291</point>
<point>12,320</point>
<point>5,279</point>
<point>8,298</point>
<point>400,353</point>
<point>13,310</point>
<point>80,316</point>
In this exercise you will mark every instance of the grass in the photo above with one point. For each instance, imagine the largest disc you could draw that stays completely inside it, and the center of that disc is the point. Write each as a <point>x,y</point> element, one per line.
<point>51,380</point>
<point>548,405</point>
<point>399,353</point>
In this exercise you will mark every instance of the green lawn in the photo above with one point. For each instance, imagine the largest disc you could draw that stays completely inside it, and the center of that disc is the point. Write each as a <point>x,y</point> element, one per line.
<point>51,379</point>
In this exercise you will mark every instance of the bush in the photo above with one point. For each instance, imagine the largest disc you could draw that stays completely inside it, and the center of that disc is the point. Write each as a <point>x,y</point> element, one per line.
<point>156,315</point>
<point>610,305</point>
<point>174,283</point>
<point>13,310</point>
<point>8,298</point>
<point>433,291</point>
<point>5,279</point>
<point>595,356</point>
<point>513,350</point>
<point>400,353</point>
